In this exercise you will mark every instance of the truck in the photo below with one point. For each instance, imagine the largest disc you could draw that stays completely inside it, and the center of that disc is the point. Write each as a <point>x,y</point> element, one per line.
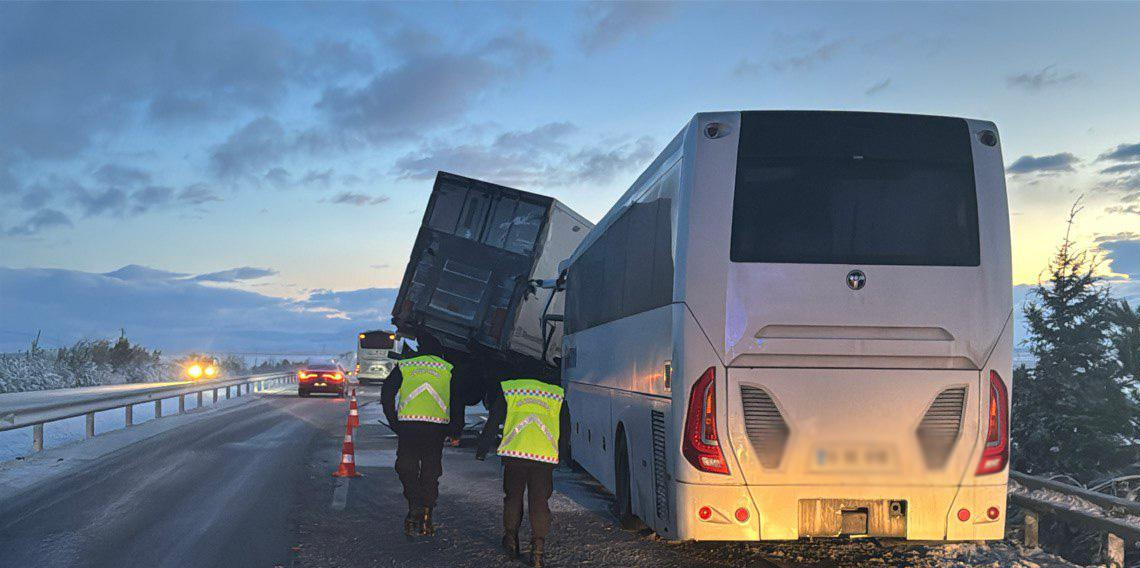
<point>474,280</point>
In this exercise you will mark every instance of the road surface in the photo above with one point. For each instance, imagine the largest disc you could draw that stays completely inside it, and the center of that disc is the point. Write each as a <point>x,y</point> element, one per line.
<point>250,486</point>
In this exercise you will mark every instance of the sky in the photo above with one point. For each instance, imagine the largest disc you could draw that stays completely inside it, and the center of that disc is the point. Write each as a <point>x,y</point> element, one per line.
<point>251,176</point>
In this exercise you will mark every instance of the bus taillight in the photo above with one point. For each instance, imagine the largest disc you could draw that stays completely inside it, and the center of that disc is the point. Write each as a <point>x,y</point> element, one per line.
<point>701,444</point>
<point>996,453</point>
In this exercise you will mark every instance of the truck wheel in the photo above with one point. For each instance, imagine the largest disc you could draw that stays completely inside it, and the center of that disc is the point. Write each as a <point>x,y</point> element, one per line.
<point>626,517</point>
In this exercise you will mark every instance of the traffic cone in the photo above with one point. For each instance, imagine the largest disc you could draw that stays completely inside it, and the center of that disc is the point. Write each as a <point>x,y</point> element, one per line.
<point>353,415</point>
<point>347,466</point>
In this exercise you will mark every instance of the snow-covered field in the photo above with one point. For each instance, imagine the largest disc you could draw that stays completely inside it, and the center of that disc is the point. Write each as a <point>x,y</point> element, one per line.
<point>20,372</point>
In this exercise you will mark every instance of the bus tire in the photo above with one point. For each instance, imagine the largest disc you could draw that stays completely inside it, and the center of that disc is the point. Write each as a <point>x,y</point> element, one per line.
<point>623,486</point>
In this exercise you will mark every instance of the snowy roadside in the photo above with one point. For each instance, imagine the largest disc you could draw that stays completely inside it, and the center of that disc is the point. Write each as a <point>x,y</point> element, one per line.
<point>1070,502</point>
<point>66,448</point>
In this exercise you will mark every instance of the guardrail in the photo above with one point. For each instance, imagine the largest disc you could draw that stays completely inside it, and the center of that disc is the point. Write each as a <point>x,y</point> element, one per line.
<point>36,415</point>
<point>1115,518</point>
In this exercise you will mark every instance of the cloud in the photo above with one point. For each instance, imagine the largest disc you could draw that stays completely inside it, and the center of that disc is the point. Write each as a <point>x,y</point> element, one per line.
<point>277,176</point>
<point>120,175</point>
<point>609,24</point>
<point>1123,177</point>
<point>878,87</point>
<point>1122,153</point>
<point>1123,256</point>
<point>807,50</point>
<point>251,147</point>
<point>1035,81</point>
<point>178,314</point>
<point>137,272</point>
<point>323,178</point>
<point>746,67</point>
<point>149,197</point>
<point>40,220</point>
<point>236,274</point>
<point>540,157</point>
<point>811,50</point>
<point>197,194</point>
<point>1124,209</point>
<point>358,199</point>
<point>427,89</point>
<point>1052,163</point>
<point>95,202</point>
<point>72,72</point>
<point>328,60</point>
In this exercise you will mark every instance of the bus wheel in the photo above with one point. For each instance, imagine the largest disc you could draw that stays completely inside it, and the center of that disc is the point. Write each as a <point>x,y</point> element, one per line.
<point>626,518</point>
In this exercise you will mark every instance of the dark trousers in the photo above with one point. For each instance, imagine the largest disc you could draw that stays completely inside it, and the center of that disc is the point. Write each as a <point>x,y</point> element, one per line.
<point>537,480</point>
<point>419,462</point>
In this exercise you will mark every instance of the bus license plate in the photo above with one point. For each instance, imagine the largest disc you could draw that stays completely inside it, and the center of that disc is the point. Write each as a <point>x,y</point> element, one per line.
<point>853,458</point>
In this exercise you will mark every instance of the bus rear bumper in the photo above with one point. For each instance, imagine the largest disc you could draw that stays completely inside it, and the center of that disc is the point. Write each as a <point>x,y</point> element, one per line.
<point>774,512</point>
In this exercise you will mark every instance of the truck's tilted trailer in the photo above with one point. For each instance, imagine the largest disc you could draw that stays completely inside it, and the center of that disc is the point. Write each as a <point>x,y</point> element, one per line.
<point>479,247</point>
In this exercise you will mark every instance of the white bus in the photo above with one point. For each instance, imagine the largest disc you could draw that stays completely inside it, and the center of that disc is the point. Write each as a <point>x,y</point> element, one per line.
<point>797,324</point>
<point>374,350</point>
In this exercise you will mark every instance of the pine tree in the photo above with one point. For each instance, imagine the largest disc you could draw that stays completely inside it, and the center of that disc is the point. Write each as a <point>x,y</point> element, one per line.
<point>1072,413</point>
<point>1126,339</point>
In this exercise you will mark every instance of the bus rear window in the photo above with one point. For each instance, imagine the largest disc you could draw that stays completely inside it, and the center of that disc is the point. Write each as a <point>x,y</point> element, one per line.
<point>377,340</point>
<point>854,188</point>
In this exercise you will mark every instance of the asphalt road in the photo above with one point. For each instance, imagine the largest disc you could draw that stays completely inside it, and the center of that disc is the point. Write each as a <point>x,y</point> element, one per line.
<point>217,492</point>
<point>251,487</point>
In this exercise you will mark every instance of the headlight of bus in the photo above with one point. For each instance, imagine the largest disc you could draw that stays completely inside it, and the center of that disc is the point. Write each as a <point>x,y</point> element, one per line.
<point>194,371</point>
<point>211,371</point>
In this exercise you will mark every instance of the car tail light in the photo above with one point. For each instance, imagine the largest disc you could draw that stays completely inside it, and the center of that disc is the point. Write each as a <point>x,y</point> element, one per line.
<point>995,456</point>
<point>701,445</point>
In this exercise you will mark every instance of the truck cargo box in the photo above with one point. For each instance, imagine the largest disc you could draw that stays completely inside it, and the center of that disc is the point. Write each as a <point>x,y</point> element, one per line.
<point>478,247</point>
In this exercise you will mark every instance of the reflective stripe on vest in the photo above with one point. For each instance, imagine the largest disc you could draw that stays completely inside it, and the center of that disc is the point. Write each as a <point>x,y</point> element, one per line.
<point>530,430</point>
<point>425,390</point>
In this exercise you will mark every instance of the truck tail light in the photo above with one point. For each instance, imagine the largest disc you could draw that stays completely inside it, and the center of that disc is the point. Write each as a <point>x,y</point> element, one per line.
<point>995,456</point>
<point>701,445</point>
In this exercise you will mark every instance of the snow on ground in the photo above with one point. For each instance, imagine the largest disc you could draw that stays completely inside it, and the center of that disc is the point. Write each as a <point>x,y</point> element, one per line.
<point>1070,502</point>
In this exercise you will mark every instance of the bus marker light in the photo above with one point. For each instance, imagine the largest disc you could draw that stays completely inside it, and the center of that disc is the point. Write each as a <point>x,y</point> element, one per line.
<point>993,513</point>
<point>742,515</point>
<point>705,513</point>
<point>963,515</point>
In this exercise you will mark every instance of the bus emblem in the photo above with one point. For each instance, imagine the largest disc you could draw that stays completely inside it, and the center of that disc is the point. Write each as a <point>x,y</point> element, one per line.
<point>856,280</point>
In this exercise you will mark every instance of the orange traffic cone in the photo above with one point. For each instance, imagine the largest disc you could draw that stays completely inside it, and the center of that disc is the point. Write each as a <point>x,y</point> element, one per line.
<point>347,456</point>
<point>353,415</point>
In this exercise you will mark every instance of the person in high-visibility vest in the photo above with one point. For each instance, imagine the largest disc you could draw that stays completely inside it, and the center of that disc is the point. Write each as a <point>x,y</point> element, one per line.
<point>422,410</point>
<point>533,414</point>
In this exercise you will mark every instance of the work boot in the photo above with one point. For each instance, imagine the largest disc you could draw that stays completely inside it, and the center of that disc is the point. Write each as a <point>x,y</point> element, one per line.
<point>536,553</point>
<point>511,544</point>
<point>411,524</point>
<point>427,528</point>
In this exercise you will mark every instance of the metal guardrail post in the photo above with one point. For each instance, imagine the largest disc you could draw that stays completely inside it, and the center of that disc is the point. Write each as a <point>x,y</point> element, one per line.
<point>129,415</point>
<point>90,426</point>
<point>227,392</point>
<point>158,409</point>
<point>199,400</point>
<point>181,403</point>
<point>38,437</point>
<point>1032,529</point>
<point>215,396</point>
